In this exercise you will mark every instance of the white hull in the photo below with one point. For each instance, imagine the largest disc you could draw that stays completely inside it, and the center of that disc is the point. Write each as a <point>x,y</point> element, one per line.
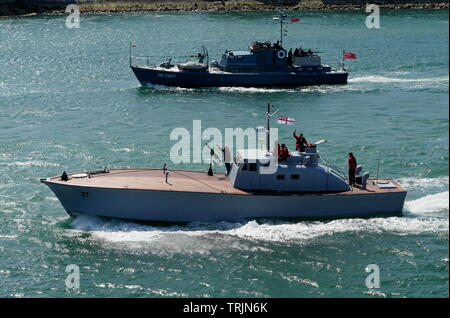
<point>178,206</point>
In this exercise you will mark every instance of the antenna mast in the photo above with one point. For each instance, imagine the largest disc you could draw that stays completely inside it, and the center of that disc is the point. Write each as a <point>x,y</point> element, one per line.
<point>268,127</point>
<point>269,115</point>
<point>281,17</point>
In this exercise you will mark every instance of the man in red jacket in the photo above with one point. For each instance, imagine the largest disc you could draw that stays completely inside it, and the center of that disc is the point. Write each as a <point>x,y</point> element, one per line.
<point>351,168</point>
<point>301,142</point>
<point>283,152</point>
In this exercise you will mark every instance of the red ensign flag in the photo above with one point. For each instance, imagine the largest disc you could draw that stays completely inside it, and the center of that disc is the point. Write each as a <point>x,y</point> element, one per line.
<point>349,55</point>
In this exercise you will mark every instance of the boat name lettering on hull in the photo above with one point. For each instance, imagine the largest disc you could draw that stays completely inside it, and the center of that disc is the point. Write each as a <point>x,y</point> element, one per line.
<point>166,75</point>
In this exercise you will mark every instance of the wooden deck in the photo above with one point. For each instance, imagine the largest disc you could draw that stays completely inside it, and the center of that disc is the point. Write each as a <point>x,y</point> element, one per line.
<point>188,181</point>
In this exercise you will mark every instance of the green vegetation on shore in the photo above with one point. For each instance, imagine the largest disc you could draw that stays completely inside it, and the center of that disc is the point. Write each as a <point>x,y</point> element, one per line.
<point>21,7</point>
<point>242,5</point>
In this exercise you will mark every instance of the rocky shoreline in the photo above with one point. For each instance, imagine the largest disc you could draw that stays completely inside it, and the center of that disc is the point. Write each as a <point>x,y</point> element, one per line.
<point>247,6</point>
<point>193,5</point>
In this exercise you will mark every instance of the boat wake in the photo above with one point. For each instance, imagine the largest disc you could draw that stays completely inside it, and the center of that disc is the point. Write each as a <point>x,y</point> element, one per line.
<point>384,79</point>
<point>31,163</point>
<point>255,90</point>
<point>252,235</point>
<point>358,83</point>
<point>408,83</point>
<point>220,89</point>
<point>431,203</point>
<point>429,195</point>
<point>425,185</point>
<point>425,213</point>
<point>167,88</point>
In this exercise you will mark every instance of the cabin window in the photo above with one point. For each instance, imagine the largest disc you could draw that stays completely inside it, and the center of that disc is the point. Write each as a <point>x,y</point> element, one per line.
<point>252,166</point>
<point>244,167</point>
<point>295,176</point>
<point>280,177</point>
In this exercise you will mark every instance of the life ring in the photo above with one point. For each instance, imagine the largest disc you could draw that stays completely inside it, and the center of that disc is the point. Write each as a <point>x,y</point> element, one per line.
<point>281,54</point>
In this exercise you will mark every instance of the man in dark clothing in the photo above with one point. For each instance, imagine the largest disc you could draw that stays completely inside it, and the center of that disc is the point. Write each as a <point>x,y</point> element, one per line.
<point>301,142</point>
<point>290,58</point>
<point>226,158</point>
<point>351,169</point>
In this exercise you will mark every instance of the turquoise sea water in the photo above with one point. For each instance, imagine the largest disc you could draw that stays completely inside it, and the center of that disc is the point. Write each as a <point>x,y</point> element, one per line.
<point>68,101</point>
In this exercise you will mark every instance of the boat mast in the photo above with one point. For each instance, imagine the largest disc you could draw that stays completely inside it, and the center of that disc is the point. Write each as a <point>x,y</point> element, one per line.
<point>282,16</point>
<point>130,52</point>
<point>268,127</point>
<point>281,29</point>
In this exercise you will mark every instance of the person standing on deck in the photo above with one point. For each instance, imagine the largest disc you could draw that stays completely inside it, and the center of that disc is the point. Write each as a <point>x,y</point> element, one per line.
<point>226,158</point>
<point>351,169</point>
<point>301,142</point>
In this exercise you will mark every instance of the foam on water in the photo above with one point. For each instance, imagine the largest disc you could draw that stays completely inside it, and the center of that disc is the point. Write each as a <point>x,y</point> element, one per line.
<point>372,79</point>
<point>8,236</point>
<point>320,89</point>
<point>30,163</point>
<point>303,231</point>
<point>122,149</point>
<point>425,184</point>
<point>384,79</point>
<point>198,238</point>
<point>221,89</point>
<point>430,203</point>
<point>169,88</point>
<point>253,90</point>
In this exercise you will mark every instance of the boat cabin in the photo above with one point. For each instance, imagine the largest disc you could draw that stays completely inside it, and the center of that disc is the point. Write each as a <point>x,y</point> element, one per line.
<point>271,59</point>
<point>301,172</point>
<point>268,60</point>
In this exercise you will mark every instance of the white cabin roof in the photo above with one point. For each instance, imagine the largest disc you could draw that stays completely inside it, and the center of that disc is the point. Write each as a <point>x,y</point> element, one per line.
<point>254,154</point>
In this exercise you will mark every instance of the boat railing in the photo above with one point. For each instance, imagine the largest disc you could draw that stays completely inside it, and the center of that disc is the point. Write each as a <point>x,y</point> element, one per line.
<point>154,60</point>
<point>247,67</point>
<point>141,60</point>
<point>334,167</point>
<point>334,65</point>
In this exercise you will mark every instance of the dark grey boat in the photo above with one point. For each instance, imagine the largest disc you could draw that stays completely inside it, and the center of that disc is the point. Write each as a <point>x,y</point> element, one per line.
<point>262,65</point>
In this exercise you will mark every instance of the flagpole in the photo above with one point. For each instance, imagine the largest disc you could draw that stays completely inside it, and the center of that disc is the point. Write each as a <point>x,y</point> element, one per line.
<point>343,65</point>
<point>281,28</point>
<point>268,127</point>
<point>130,53</point>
